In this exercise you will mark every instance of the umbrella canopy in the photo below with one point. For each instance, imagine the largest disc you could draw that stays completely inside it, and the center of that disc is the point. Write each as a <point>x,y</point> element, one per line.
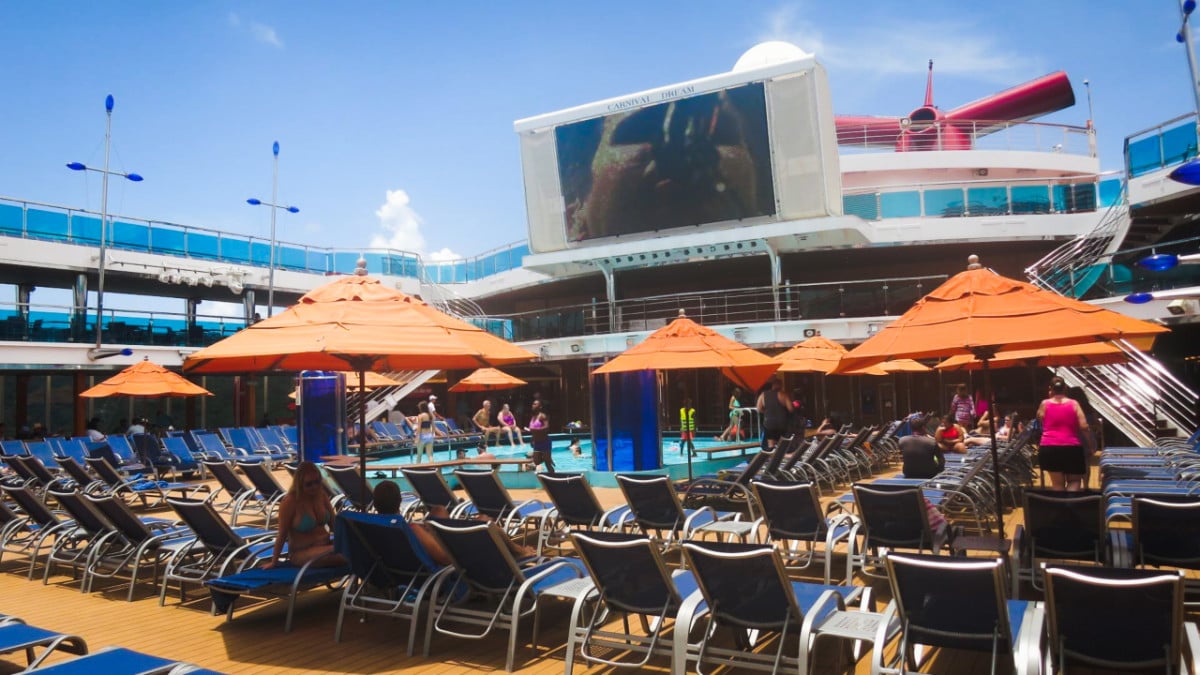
<point>145,379</point>
<point>358,323</point>
<point>683,343</point>
<point>487,379</point>
<point>814,355</point>
<point>1089,354</point>
<point>980,313</point>
<point>904,366</point>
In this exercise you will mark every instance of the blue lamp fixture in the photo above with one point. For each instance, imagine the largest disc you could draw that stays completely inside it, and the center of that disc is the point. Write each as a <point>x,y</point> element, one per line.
<point>1139,298</point>
<point>274,204</point>
<point>1159,262</point>
<point>97,352</point>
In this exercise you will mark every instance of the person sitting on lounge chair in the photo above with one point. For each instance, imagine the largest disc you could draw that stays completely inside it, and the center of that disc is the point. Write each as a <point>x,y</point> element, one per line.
<point>305,518</point>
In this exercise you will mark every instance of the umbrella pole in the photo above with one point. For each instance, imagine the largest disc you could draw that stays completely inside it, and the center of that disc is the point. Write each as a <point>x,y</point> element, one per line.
<point>987,388</point>
<point>362,426</point>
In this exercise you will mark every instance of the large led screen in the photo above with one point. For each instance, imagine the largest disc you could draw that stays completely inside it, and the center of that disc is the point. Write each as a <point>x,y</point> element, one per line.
<point>690,161</point>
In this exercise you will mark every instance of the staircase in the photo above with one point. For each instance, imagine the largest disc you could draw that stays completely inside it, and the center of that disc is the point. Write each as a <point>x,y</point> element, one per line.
<point>1140,397</point>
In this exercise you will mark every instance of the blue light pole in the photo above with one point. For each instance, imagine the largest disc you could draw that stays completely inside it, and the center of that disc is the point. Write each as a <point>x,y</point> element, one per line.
<point>96,352</point>
<point>1186,7</point>
<point>274,204</point>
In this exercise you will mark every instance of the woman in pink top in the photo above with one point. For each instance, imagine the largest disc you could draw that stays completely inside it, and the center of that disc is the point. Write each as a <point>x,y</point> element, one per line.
<point>1061,452</point>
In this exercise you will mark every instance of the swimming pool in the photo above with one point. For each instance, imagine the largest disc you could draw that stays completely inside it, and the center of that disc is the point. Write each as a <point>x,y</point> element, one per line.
<point>565,461</point>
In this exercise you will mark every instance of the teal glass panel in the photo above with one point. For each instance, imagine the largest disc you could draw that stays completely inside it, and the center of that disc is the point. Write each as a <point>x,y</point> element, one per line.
<point>229,249</point>
<point>41,224</point>
<point>132,236</point>
<point>201,245</point>
<point>344,262</point>
<point>259,252</point>
<point>290,257</point>
<point>376,263</point>
<point>167,240</point>
<point>863,206</point>
<point>1031,199</point>
<point>1143,155</point>
<point>988,201</point>
<point>320,261</point>
<point>945,203</point>
<point>1110,191</point>
<point>10,218</point>
<point>84,229</point>
<point>1178,144</point>
<point>900,204</point>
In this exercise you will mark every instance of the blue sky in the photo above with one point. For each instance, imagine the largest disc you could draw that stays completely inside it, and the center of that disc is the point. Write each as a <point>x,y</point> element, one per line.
<point>395,118</point>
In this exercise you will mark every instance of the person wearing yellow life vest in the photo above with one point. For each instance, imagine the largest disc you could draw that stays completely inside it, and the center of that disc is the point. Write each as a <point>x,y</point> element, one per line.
<point>687,427</point>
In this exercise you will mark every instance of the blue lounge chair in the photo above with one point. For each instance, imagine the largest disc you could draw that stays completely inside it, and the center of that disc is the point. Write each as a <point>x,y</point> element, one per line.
<point>133,543</point>
<point>77,544</point>
<point>40,529</point>
<point>180,456</point>
<point>491,498</point>
<point>17,636</point>
<point>945,602</point>
<point>212,446</point>
<point>143,489</point>
<point>283,580</point>
<point>117,661</point>
<point>431,487</point>
<point>218,549</point>
<point>656,510</point>
<point>484,568</point>
<point>13,448</point>
<point>629,578</point>
<point>892,519</point>
<point>793,519</point>
<point>1118,619</point>
<point>746,590</point>
<point>575,507</point>
<point>391,572</point>
<point>1060,526</point>
<point>270,492</point>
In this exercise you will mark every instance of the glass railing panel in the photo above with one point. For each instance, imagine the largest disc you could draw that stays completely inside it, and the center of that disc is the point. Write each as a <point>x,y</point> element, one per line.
<point>11,219</point>
<point>259,252</point>
<point>344,262</point>
<point>900,204</point>
<point>376,262</point>
<point>1178,144</point>
<point>50,225</point>
<point>947,203</point>
<point>291,258</point>
<point>864,206</point>
<point>167,240</point>
<point>1110,191</point>
<point>206,246</point>
<point>821,302</point>
<point>85,230</point>
<point>1144,155</point>
<point>320,261</point>
<point>864,300</point>
<point>987,201</point>
<point>131,236</point>
<point>1031,199</point>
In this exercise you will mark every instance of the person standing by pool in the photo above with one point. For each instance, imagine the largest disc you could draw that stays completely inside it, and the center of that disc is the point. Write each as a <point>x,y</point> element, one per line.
<point>424,431</point>
<point>508,423</point>
<point>733,432</point>
<point>1064,435</point>
<point>774,406</point>
<point>962,408</point>
<point>539,436</point>
<point>687,427</point>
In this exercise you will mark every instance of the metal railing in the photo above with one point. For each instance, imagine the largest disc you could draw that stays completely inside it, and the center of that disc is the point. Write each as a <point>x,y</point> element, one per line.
<point>971,135</point>
<point>1071,268</point>
<point>1168,144</point>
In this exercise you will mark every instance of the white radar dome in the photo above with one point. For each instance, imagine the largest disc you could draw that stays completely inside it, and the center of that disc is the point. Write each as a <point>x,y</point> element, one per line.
<point>769,53</point>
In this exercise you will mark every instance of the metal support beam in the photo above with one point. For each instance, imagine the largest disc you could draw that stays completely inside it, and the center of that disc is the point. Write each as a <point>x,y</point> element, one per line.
<point>610,293</point>
<point>776,277</point>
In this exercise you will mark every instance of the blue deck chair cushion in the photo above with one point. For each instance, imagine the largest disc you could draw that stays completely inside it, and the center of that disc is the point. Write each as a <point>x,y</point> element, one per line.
<point>16,636</point>
<point>225,590</point>
<point>112,661</point>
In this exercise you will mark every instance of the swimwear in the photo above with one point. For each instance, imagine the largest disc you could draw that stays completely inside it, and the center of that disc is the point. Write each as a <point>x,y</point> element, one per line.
<point>307,523</point>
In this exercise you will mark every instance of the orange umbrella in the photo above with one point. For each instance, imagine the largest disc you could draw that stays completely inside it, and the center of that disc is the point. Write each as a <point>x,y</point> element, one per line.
<point>356,323</point>
<point>814,355</point>
<point>148,380</point>
<point>683,343</point>
<point>487,379</point>
<point>1089,354</point>
<point>979,312</point>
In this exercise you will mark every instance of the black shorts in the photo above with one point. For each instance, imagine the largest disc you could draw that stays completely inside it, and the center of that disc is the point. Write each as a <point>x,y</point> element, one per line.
<point>1063,459</point>
<point>773,434</point>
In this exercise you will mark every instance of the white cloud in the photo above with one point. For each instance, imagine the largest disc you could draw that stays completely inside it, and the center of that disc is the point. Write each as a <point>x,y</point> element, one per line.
<point>259,31</point>
<point>401,227</point>
<point>902,46</point>
<point>266,35</point>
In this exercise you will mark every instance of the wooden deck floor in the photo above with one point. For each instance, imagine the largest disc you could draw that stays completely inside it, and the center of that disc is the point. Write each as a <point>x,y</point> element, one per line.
<point>254,642</point>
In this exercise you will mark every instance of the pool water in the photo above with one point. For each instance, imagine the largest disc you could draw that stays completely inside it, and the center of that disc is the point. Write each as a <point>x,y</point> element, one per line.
<point>565,461</point>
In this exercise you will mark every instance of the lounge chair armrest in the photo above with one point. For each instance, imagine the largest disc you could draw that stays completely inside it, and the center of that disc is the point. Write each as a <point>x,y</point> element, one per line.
<point>1191,647</point>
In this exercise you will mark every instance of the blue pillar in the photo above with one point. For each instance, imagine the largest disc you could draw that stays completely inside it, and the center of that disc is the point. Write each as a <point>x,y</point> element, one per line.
<point>625,422</point>
<point>321,414</point>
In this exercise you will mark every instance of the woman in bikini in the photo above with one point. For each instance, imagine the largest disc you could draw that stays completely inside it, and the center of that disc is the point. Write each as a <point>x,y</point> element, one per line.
<point>950,436</point>
<point>305,519</point>
<point>425,432</point>
<point>508,423</point>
